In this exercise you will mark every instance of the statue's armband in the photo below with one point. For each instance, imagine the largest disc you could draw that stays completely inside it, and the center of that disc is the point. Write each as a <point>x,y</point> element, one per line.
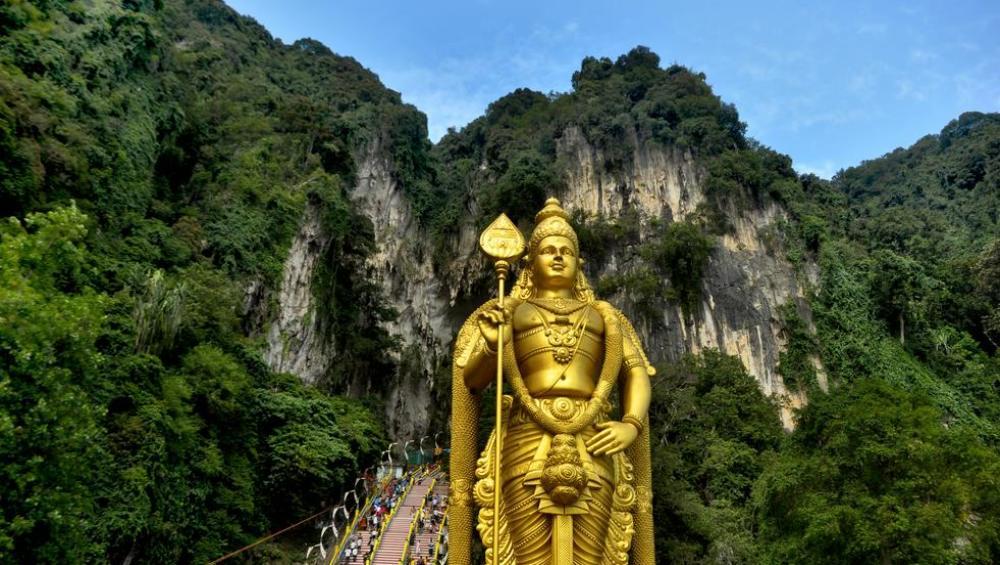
<point>633,356</point>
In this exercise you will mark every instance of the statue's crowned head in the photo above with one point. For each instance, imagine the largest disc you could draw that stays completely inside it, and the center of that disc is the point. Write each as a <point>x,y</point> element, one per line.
<point>552,220</point>
<point>553,230</point>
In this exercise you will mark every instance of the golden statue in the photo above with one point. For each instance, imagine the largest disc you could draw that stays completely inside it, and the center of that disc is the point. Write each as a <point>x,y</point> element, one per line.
<point>575,483</point>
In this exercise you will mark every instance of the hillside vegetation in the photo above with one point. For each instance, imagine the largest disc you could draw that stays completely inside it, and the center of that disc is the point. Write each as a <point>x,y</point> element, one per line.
<point>155,162</point>
<point>155,159</point>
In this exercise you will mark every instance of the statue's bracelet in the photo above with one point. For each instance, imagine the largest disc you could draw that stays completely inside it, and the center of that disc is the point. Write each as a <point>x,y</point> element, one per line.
<point>636,422</point>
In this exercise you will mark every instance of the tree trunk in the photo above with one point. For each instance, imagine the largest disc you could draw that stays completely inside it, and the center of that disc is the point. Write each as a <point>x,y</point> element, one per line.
<point>131,553</point>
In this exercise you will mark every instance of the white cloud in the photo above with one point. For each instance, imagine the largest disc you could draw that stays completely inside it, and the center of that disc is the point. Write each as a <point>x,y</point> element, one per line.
<point>906,89</point>
<point>861,82</point>
<point>968,46</point>
<point>457,90</point>
<point>824,170</point>
<point>451,93</point>
<point>922,55</point>
<point>872,29</point>
<point>832,117</point>
<point>546,35</point>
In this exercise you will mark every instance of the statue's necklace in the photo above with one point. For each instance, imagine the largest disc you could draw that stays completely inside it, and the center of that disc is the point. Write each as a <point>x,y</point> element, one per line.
<point>598,399</point>
<point>561,335</point>
<point>560,306</point>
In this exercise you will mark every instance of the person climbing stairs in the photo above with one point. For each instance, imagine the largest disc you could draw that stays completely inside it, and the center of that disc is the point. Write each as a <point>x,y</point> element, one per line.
<point>394,537</point>
<point>425,538</point>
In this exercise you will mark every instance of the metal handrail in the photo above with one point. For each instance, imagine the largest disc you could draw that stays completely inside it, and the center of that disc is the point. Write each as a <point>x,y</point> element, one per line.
<point>358,513</point>
<point>440,537</point>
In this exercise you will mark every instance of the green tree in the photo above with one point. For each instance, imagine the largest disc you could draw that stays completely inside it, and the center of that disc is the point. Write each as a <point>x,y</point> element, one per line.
<point>873,475</point>
<point>899,288</point>
<point>680,251</point>
<point>987,272</point>
<point>716,430</point>
<point>313,444</point>
<point>50,451</point>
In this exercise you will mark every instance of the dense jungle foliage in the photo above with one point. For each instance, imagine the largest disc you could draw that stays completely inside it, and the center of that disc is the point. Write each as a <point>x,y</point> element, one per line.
<point>155,160</point>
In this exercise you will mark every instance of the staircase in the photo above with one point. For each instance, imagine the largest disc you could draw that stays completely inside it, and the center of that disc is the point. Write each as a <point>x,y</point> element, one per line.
<point>428,538</point>
<point>393,543</point>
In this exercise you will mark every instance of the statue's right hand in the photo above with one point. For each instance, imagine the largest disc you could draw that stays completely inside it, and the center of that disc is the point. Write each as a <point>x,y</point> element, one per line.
<point>489,322</point>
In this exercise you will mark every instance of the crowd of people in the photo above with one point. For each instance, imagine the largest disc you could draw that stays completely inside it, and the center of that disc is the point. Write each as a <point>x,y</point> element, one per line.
<point>432,513</point>
<point>430,519</point>
<point>375,521</point>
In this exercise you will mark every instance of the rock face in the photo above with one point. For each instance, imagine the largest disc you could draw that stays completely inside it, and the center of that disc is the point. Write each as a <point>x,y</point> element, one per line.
<point>402,265</point>
<point>659,183</point>
<point>295,342</point>
<point>746,281</point>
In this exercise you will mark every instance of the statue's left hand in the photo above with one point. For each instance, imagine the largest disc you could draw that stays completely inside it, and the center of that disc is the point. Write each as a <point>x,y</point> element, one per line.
<point>613,437</point>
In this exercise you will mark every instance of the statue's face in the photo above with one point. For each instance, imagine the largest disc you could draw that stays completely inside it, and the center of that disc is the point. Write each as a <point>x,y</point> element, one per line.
<point>555,263</point>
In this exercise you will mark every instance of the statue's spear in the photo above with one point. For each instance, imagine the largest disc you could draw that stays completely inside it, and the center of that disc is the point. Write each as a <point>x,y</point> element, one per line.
<point>503,243</point>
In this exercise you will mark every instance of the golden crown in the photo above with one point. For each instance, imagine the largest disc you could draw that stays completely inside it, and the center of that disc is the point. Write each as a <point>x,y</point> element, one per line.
<point>552,220</point>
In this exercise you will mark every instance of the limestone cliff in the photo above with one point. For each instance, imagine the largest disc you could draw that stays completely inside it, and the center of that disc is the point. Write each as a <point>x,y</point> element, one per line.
<point>746,281</point>
<point>747,278</point>
<point>295,341</point>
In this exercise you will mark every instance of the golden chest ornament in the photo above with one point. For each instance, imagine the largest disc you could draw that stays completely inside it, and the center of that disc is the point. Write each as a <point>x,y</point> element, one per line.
<point>563,335</point>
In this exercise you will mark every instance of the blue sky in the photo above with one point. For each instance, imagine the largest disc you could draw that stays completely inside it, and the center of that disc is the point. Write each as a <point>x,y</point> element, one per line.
<point>829,83</point>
